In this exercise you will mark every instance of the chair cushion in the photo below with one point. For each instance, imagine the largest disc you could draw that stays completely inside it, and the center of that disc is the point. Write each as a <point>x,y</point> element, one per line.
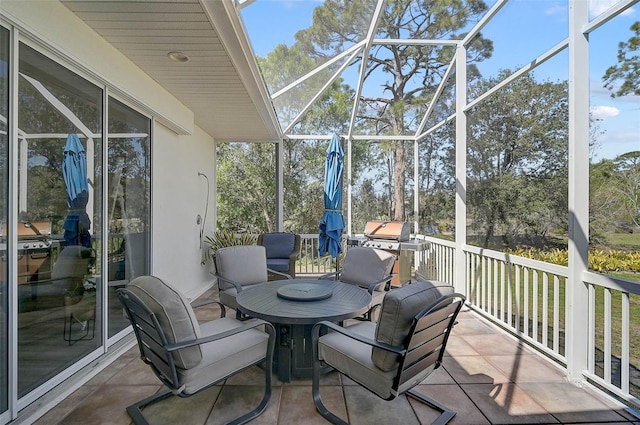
<point>174,313</point>
<point>71,267</point>
<point>278,245</point>
<point>353,358</point>
<point>399,307</point>
<point>223,357</point>
<point>244,264</point>
<point>278,264</point>
<point>364,266</point>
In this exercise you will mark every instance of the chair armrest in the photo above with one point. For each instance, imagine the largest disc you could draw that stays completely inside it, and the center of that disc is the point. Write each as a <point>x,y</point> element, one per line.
<point>297,245</point>
<point>315,335</point>
<point>279,273</point>
<point>235,284</point>
<point>385,281</point>
<point>332,275</point>
<point>420,276</point>
<point>223,309</point>
<point>248,325</point>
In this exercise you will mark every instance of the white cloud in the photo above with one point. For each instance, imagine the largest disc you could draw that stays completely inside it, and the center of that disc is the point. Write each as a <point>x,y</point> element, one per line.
<point>596,7</point>
<point>556,10</point>
<point>604,112</point>
<point>614,143</point>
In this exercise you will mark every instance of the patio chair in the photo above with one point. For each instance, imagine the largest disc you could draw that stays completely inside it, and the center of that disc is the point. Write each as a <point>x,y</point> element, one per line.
<point>370,269</point>
<point>282,252</point>
<point>240,267</point>
<point>68,274</point>
<point>186,356</point>
<point>391,357</point>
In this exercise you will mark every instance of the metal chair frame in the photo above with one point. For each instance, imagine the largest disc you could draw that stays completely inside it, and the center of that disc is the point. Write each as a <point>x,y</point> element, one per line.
<point>415,355</point>
<point>157,353</point>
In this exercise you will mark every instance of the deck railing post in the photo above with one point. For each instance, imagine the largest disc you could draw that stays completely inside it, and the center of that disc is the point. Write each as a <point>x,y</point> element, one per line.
<point>460,270</point>
<point>577,294</point>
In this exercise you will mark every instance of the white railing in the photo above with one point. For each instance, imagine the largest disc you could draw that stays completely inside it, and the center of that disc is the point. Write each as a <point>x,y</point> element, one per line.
<point>310,263</point>
<point>525,296</point>
<point>437,262</point>
<point>528,298</point>
<point>614,335</point>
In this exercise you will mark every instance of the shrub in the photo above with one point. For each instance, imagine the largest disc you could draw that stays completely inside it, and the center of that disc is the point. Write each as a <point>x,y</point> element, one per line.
<point>599,260</point>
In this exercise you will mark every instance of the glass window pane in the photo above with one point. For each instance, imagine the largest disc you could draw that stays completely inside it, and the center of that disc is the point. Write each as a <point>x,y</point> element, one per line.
<point>59,206</point>
<point>4,193</point>
<point>129,208</point>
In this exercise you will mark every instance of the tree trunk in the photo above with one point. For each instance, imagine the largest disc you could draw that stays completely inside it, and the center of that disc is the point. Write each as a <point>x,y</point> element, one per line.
<point>399,179</point>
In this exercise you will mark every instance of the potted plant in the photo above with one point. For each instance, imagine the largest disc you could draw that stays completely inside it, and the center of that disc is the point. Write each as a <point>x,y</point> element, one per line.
<point>224,238</point>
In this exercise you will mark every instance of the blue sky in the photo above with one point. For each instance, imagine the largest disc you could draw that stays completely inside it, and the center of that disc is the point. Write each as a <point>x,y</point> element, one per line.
<point>272,22</point>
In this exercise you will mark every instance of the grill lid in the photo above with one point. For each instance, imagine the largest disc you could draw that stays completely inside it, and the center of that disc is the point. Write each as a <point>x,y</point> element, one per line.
<point>31,230</point>
<point>390,230</point>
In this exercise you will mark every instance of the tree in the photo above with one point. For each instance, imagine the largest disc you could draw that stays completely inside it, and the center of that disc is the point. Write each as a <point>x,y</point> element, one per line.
<point>628,186</point>
<point>437,183</point>
<point>614,198</point>
<point>409,74</point>
<point>627,70</point>
<point>246,178</point>
<point>518,158</point>
<point>246,187</point>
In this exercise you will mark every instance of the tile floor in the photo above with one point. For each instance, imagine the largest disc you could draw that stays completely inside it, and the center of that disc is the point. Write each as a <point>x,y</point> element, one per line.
<point>487,378</point>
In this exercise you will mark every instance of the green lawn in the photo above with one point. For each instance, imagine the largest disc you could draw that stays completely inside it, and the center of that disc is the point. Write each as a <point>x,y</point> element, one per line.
<point>624,240</point>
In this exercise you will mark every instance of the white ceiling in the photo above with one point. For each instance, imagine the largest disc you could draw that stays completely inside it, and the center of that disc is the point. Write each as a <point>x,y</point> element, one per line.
<point>220,83</point>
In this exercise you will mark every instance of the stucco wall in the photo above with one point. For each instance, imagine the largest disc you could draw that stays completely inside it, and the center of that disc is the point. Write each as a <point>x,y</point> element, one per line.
<point>179,196</point>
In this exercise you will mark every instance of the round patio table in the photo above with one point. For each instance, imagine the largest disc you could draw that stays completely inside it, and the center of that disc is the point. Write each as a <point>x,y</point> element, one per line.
<point>293,306</point>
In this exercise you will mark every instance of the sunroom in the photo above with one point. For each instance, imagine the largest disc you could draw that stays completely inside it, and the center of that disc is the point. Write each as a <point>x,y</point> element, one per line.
<point>505,132</point>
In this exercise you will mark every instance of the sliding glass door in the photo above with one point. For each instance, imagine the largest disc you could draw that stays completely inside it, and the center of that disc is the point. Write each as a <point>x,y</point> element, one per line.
<point>129,208</point>
<point>59,208</point>
<point>4,196</point>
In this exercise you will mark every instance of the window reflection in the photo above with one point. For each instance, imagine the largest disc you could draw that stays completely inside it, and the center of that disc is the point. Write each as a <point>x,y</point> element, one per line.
<point>129,203</point>
<point>4,174</point>
<point>59,130</point>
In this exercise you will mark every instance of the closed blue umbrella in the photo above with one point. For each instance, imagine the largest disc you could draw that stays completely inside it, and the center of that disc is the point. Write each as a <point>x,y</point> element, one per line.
<point>74,173</point>
<point>332,222</point>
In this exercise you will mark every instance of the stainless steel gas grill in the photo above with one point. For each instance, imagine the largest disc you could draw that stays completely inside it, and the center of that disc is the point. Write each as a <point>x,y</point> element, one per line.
<point>34,252</point>
<point>394,237</point>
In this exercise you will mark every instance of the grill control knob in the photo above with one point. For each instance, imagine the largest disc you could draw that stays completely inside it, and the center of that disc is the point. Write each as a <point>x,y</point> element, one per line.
<point>379,245</point>
<point>390,246</point>
<point>26,246</point>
